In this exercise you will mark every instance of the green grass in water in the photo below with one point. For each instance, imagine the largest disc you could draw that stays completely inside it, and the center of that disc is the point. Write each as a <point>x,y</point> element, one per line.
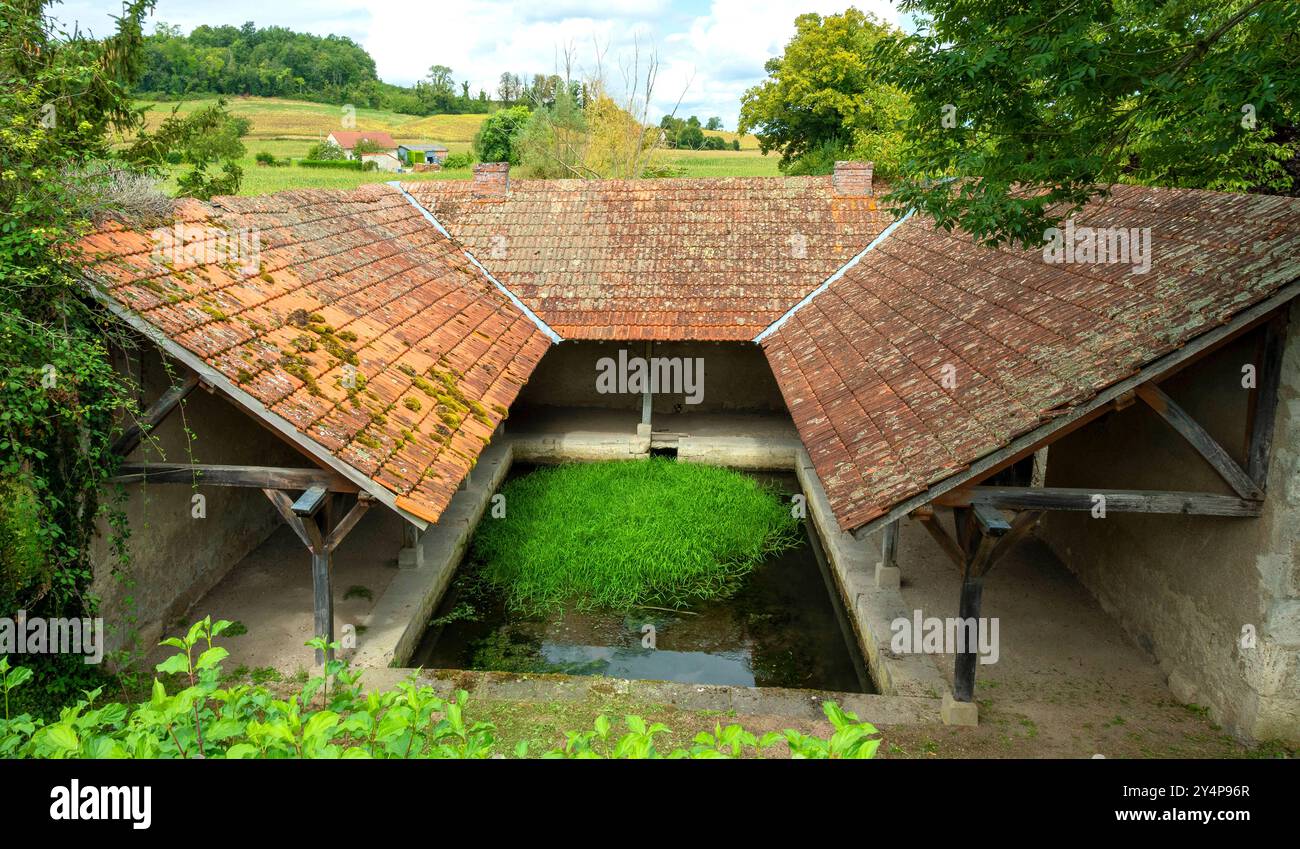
<point>621,534</point>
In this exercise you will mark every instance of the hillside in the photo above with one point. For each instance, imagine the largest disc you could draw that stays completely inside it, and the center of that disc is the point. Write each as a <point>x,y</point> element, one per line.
<point>286,128</point>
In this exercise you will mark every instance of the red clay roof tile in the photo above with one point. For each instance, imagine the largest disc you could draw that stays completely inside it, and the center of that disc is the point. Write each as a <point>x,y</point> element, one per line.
<point>327,279</point>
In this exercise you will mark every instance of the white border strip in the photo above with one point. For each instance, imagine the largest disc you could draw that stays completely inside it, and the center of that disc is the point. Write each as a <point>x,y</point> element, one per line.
<point>541,325</point>
<point>884,234</point>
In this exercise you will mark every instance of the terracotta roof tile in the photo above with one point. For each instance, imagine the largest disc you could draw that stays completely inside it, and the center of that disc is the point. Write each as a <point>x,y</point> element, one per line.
<point>337,277</point>
<point>714,259</point>
<point>862,365</point>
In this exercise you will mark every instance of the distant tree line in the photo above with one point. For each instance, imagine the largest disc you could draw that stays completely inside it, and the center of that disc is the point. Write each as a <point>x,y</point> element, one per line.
<point>278,62</point>
<point>688,134</point>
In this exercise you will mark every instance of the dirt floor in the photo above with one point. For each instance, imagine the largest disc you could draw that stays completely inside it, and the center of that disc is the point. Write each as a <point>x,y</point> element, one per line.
<point>1068,682</point>
<point>269,594</point>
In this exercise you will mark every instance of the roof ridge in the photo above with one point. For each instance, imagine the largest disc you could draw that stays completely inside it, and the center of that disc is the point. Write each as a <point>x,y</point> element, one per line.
<point>839,272</point>
<point>514,299</point>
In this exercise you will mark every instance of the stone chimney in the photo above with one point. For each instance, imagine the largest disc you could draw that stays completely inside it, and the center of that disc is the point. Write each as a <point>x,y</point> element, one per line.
<point>492,179</point>
<point>852,179</point>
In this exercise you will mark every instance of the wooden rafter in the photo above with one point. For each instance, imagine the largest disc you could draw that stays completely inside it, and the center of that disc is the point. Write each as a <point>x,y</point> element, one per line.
<point>1200,439</point>
<point>153,416</point>
<point>257,477</point>
<point>1115,500</point>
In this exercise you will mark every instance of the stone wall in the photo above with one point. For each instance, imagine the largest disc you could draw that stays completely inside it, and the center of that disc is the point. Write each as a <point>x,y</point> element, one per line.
<point>1187,588</point>
<point>736,377</point>
<point>174,556</point>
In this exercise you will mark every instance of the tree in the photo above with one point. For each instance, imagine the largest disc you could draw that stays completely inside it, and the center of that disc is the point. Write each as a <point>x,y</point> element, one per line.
<point>64,97</point>
<point>828,89</point>
<point>510,89</point>
<point>208,138</point>
<point>715,123</point>
<point>496,138</point>
<point>326,150</point>
<point>690,136</point>
<point>1035,111</point>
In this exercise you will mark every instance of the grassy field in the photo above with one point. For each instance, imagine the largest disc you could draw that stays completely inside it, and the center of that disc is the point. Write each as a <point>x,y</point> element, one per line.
<point>287,128</point>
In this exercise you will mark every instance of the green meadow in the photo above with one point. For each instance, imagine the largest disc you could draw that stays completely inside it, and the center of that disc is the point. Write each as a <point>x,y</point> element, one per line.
<point>287,128</point>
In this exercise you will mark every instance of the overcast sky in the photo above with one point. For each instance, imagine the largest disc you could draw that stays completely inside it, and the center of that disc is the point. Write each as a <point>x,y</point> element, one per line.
<point>711,51</point>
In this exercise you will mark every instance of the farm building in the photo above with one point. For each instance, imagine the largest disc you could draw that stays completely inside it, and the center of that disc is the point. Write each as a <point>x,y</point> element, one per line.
<point>383,161</point>
<point>431,153</point>
<point>349,139</point>
<point>1131,412</point>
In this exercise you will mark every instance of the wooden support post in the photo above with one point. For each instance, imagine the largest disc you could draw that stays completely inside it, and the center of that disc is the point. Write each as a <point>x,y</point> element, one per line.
<point>647,397</point>
<point>963,678</point>
<point>979,529</point>
<point>410,556</point>
<point>888,575</point>
<point>889,545</point>
<point>321,535</point>
<point>1267,375</point>
<point>323,594</point>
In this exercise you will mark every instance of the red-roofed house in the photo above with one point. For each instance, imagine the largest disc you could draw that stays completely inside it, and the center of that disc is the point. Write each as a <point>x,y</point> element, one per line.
<point>348,140</point>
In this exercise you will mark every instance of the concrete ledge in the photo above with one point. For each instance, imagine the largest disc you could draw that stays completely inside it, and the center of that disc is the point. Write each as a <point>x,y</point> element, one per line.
<point>579,447</point>
<point>401,614</point>
<point>740,452</point>
<point>745,701</point>
<point>871,606</point>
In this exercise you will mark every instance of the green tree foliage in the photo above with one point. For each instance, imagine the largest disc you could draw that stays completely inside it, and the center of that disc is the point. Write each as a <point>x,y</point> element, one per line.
<point>60,96</point>
<point>1048,102</point>
<point>326,151</point>
<point>278,62</point>
<point>496,139</point>
<point>828,91</point>
<point>64,101</point>
<point>207,140</point>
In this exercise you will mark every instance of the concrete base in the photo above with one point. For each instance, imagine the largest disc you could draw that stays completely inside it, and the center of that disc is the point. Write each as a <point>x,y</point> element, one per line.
<point>723,699</point>
<point>954,712</point>
<point>871,607</point>
<point>401,614</point>
<point>888,577</point>
<point>410,558</point>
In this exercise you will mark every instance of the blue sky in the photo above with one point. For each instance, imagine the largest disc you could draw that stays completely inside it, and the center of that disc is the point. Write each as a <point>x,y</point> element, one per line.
<point>709,51</point>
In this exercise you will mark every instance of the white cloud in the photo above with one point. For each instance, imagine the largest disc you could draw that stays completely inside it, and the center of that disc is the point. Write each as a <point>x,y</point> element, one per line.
<point>709,52</point>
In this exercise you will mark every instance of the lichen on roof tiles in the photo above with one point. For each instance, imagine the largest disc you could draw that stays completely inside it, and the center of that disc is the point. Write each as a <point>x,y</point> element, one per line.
<point>335,312</point>
<point>674,259</point>
<point>862,366</point>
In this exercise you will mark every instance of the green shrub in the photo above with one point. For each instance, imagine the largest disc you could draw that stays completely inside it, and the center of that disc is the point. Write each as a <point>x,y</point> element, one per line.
<point>332,718</point>
<point>326,151</point>
<point>265,158</point>
<point>457,161</point>
<point>339,164</point>
<point>627,533</point>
